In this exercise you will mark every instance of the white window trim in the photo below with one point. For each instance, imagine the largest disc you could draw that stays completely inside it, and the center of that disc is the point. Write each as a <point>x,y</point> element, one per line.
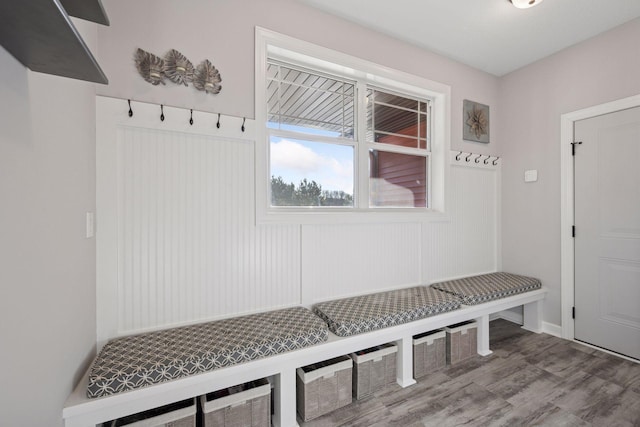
<point>276,45</point>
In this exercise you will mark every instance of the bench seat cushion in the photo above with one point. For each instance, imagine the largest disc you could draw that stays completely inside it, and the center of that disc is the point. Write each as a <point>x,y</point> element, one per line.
<point>487,287</point>
<point>141,360</point>
<point>351,316</point>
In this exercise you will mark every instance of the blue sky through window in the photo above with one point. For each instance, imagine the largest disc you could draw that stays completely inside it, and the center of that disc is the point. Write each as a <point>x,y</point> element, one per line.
<point>330,165</point>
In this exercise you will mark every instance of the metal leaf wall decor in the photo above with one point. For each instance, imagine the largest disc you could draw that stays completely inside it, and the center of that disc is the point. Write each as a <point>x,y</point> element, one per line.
<point>207,78</point>
<point>178,68</point>
<point>149,66</point>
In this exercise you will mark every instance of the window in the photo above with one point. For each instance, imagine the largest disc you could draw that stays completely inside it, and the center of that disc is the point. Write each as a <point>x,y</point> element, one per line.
<point>343,136</point>
<point>311,121</point>
<point>314,144</point>
<point>397,137</point>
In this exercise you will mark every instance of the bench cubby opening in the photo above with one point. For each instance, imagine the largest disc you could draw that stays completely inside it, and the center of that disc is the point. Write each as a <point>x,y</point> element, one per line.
<point>373,369</point>
<point>429,352</point>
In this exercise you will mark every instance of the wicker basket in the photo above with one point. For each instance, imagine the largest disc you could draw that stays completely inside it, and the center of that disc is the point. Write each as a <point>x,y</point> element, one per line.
<point>179,414</point>
<point>429,352</point>
<point>323,387</point>
<point>246,405</point>
<point>462,341</point>
<point>374,368</point>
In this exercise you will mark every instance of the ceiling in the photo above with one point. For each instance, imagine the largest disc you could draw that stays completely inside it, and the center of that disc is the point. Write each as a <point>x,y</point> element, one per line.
<point>491,35</point>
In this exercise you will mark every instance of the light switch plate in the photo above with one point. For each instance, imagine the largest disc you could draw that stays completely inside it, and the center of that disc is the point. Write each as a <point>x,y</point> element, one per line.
<point>531,175</point>
<point>90,224</point>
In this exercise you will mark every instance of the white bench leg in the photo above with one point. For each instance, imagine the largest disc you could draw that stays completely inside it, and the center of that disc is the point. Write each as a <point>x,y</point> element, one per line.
<point>483,335</point>
<point>404,361</point>
<point>532,313</point>
<point>284,400</point>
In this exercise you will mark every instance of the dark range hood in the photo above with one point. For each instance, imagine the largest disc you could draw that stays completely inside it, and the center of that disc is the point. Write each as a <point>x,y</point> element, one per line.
<point>40,34</point>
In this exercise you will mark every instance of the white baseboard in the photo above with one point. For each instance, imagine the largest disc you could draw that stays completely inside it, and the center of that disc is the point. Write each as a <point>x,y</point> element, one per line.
<point>547,328</point>
<point>552,329</point>
<point>508,315</point>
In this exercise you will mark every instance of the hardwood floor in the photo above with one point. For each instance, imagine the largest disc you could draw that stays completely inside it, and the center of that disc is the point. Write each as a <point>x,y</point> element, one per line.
<point>530,379</point>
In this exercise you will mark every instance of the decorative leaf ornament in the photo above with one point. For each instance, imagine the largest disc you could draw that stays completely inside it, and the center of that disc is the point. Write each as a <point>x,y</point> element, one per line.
<point>150,67</point>
<point>207,78</point>
<point>178,68</point>
<point>477,121</point>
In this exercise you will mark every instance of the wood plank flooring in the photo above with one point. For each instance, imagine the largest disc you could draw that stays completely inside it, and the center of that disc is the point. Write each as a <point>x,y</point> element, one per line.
<point>530,379</point>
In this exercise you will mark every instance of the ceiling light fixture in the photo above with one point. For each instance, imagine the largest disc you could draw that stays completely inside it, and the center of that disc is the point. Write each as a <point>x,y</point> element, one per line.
<point>524,4</point>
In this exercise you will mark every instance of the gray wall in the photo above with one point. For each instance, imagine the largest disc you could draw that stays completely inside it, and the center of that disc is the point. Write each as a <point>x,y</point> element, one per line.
<point>531,101</point>
<point>224,32</point>
<point>47,267</point>
<point>47,160</point>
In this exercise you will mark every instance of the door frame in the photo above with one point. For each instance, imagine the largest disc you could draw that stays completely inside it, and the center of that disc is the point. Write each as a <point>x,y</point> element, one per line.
<point>567,253</point>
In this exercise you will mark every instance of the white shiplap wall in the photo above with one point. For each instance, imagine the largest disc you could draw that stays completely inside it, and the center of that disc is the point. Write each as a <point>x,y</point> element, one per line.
<point>178,241</point>
<point>342,260</point>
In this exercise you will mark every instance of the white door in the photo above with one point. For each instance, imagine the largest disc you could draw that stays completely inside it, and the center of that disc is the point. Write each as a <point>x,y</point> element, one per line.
<point>607,227</point>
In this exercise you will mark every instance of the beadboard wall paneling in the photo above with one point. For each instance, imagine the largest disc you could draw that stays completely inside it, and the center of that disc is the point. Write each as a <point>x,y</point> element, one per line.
<point>475,218</point>
<point>344,260</point>
<point>186,244</point>
<point>178,242</point>
<point>467,244</point>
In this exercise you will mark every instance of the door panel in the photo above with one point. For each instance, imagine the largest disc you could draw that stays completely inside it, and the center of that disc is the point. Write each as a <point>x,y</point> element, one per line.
<point>607,242</point>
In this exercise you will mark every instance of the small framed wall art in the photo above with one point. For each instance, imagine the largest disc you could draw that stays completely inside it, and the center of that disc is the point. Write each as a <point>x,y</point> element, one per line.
<point>475,121</point>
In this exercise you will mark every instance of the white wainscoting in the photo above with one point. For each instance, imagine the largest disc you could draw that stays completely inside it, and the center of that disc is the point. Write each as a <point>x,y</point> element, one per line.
<point>345,260</point>
<point>178,242</point>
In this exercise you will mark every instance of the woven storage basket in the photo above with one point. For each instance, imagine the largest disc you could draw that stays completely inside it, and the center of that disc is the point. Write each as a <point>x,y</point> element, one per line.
<point>462,341</point>
<point>323,387</point>
<point>245,405</point>
<point>429,352</point>
<point>179,414</point>
<point>373,369</point>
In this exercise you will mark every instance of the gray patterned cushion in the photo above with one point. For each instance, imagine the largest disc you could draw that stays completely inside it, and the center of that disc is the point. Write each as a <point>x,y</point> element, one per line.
<point>142,360</point>
<point>351,316</point>
<point>487,287</point>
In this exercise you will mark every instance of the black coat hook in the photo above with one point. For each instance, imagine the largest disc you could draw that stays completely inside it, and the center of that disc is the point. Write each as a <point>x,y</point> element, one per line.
<point>495,162</point>
<point>486,161</point>
<point>468,157</point>
<point>458,155</point>
<point>477,158</point>
<point>130,110</point>
<point>161,113</point>
<point>191,118</point>
<point>218,124</point>
<point>244,119</point>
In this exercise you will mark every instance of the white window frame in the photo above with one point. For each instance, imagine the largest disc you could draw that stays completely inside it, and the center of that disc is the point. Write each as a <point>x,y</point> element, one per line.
<point>366,145</point>
<point>270,44</point>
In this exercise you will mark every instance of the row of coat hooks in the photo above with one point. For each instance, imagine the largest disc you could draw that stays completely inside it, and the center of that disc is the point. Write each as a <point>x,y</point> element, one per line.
<point>477,158</point>
<point>162,117</point>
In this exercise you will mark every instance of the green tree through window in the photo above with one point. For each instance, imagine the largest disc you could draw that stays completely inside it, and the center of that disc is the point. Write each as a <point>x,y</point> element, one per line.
<point>307,193</point>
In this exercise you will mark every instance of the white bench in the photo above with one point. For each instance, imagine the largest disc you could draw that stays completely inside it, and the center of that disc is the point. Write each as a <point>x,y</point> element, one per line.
<point>81,411</point>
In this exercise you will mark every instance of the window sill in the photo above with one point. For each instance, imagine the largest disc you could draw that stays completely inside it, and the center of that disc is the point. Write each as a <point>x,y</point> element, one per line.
<point>352,216</point>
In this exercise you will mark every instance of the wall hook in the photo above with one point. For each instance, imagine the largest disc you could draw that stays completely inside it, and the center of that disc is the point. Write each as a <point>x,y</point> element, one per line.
<point>468,157</point>
<point>458,156</point>
<point>191,118</point>
<point>130,110</point>
<point>244,119</point>
<point>161,113</point>
<point>476,160</point>
<point>495,161</point>
<point>218,124</point>
<point>486,161</point>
